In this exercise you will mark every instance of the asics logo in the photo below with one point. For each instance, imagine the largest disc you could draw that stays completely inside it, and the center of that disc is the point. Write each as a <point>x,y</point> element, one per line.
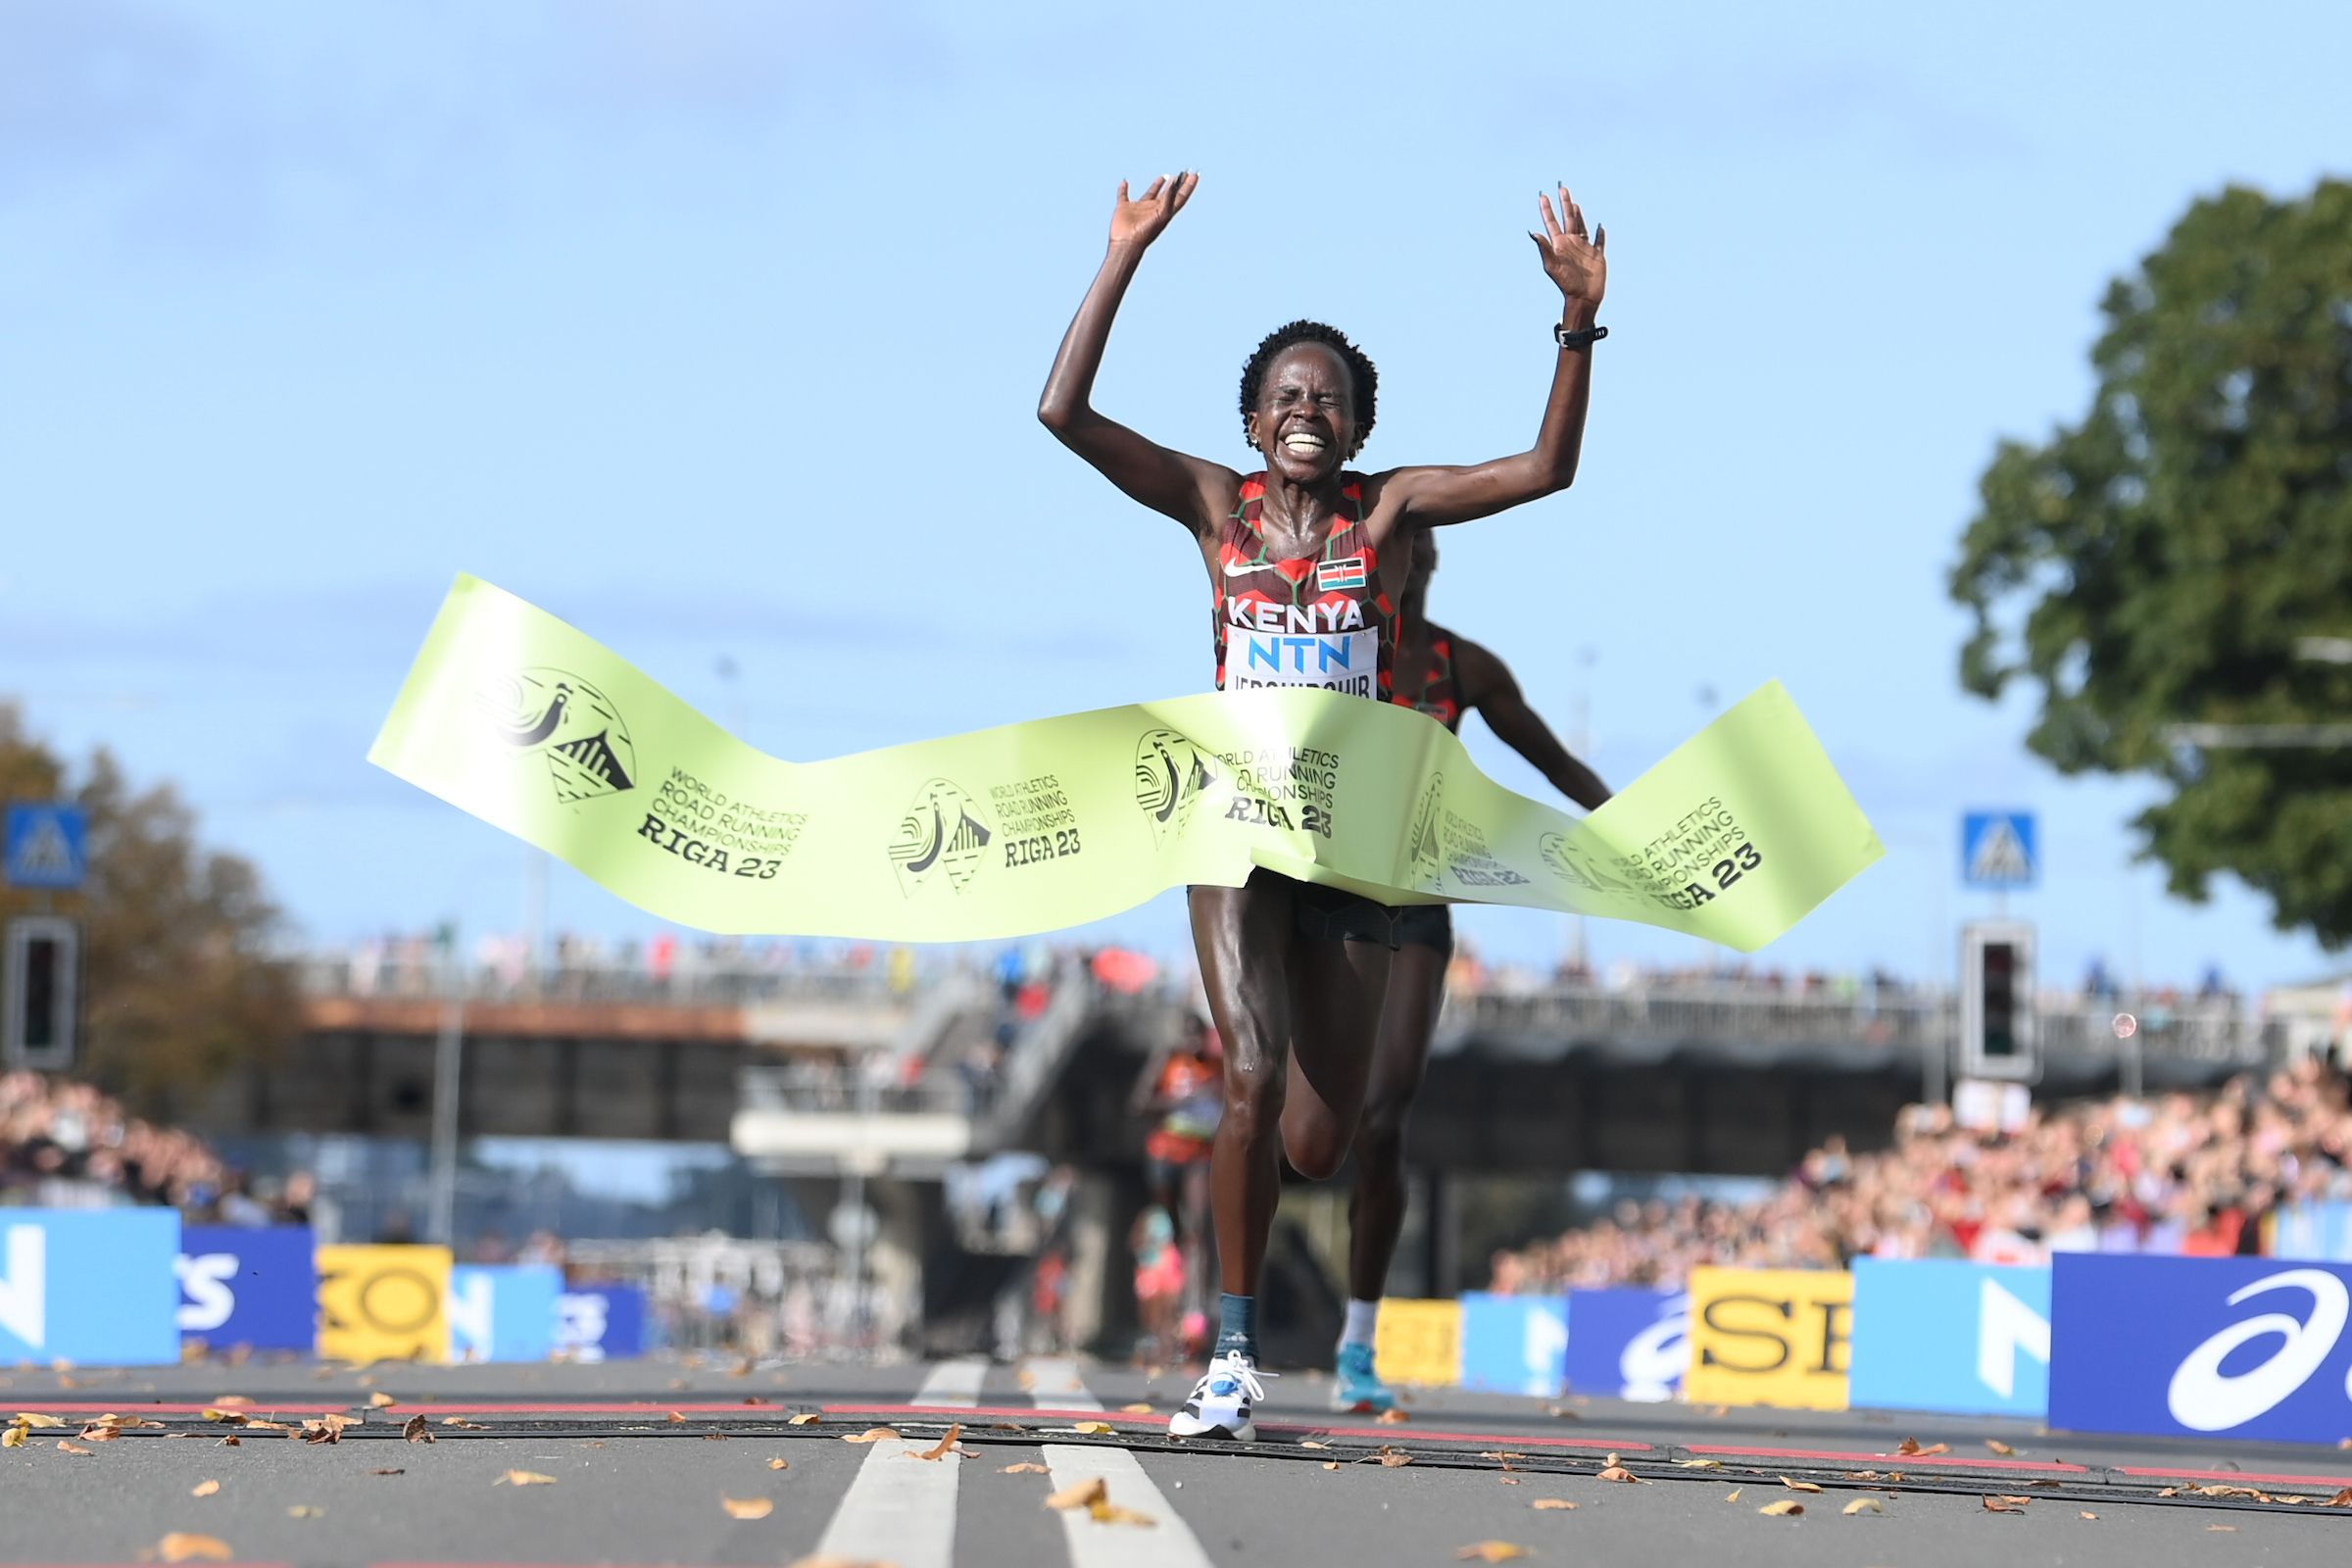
<point>2204,1398</point>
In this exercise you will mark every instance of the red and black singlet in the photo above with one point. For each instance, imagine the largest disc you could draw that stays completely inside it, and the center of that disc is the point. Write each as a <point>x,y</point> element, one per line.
<point>1441,695</point>
<point>1318,621</point>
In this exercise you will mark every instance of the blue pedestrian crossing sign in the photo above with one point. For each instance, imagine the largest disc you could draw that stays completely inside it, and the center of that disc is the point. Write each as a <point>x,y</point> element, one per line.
<point>48,845</point>
<point>1998,850</point>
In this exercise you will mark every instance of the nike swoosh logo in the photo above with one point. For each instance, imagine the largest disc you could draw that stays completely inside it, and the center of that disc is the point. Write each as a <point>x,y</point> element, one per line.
<point>1248,567</point>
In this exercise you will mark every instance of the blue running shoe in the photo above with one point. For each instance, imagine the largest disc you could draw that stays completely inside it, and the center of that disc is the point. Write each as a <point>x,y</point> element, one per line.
<point>1357,1388</point>
<point>1220,1404</point>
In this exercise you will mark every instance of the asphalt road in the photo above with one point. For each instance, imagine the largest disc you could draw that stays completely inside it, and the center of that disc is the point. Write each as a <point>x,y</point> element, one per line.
<point>643,1459</point>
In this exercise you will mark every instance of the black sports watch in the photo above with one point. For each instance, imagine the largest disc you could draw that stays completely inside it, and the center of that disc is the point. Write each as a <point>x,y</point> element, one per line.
<point>1578,339</point>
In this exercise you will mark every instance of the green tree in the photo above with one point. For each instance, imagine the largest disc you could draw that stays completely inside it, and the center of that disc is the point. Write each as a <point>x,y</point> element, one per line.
<point>178,985</point>
<point>2156,563</point>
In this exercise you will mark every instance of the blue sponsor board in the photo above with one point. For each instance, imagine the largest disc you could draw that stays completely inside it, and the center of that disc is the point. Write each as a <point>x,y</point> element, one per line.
<point>1515,1343</point>
<point>503,1312</point>
<point>2251,1346</point>
<point>1634,1344</point>
<point>256,1287</point>
<point>600,1322</point>
<point>1946,1334</point>
<point>90,1284</point>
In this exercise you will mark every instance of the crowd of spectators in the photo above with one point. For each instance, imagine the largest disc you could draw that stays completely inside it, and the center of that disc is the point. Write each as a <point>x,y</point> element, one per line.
<point>64,1145</point>
<point>2178,1174</point>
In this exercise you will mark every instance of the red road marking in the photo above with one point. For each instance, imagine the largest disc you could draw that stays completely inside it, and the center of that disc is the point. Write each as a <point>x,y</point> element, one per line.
<point>1896,1461</point>
<point>1400,1433</point>
<point>584,1408</point>
<point>134,1406</point>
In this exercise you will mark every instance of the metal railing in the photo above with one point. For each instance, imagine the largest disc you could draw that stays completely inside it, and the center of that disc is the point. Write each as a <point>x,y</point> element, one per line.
<point>2213,1029</point>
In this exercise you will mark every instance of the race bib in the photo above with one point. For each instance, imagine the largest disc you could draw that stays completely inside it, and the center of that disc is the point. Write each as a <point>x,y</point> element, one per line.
<point>1344,662</point>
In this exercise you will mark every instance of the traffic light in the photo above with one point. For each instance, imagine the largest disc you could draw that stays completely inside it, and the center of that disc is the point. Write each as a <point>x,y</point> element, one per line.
<point>2000,1037</point>
<point>41,986</point>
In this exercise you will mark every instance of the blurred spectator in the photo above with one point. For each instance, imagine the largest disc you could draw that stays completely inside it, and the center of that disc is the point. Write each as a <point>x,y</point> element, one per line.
<point>2180,1174</point>
<point>67,1144</point>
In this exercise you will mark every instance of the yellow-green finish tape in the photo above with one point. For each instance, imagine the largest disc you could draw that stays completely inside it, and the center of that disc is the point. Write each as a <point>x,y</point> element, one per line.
<point>527,723</point>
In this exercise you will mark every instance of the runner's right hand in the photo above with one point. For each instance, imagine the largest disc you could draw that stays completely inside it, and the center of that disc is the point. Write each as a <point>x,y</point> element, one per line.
<point>1139,220</point>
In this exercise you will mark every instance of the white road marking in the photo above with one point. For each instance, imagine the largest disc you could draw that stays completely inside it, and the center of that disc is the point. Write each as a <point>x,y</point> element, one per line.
<point>899,1510</point>
<point>953,1381</point>
<point>1054,1384</point>
<point>1166,1542</point>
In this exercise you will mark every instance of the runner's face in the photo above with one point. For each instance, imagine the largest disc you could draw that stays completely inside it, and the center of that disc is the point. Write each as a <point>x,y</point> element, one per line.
<point>1304,421</point>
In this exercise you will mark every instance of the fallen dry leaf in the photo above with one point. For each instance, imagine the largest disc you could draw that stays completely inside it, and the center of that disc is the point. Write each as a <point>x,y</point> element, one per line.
<point>460,1421</point>
<point>1699,1464</point>
<point>1489,1551</point>
<point>379,1399</point>
<point>205,1488</point>
<point>1028,1379</point>
<point>1798,1485</point>
<point>1718,1412</point>
<point>13,1438</point>
<point>1103,1511</point>
<point>1085,1495</point>
<point>1309,1443</point>
<point>1395,1415</point>
<point>1394,1459</point>
<point>806,1418</point>
<point>870,1435</point>
<point>779,1464</point>
<point>257,1424</point>
<point>1138,1408</point>
<point>303,1510</point>
<point>234,1418</point>
<point>1024,1468</point>
<point>1510,1481</point>
<point>1785,1508</point>
<point>393,1472</point>
<point>1331,1464</point>
<point>36,1420</point>
<point>1560,1413</point>
<point>69,1446</point>
<point>2086,1514</point>
<point>416,1430</point>
<point>1548,1504</point>
<point>1910,1449</point>
<point>2006,1504</point>
<point>96,1433</point>
<point>2222,1528</point>
<point>523,1478</point>
<point>180,1547</point>
<point>677,1420</point>
<point>1999,1447</point>
<point>747,1507</point>
<point>2342,1499</point>
<point>945,1447</point>
<point>232,1440</point>
<point>1618,1472</point>
<point>1096,1429</point>
<point>1864,1505</point>
<point>327,1429</point>
<point>230,1401</point>
<point>1734,1494</point>
<point>715,1436</point>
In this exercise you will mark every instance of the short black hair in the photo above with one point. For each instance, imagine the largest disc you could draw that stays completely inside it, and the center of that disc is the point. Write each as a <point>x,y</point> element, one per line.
<point>1366,379</point>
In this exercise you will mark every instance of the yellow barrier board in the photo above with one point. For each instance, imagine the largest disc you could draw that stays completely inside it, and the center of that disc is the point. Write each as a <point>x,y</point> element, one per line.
<point>383,1303</point>
<point>1761,1336</point>
<point>1419,1343</point>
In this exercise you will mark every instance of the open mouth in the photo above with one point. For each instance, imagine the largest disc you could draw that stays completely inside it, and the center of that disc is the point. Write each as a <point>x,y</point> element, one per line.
<point>1304,444</point>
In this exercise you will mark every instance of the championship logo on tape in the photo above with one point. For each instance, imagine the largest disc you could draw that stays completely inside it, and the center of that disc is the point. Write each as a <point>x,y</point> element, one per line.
<point>569,721</point>
<point>945,831</point>
<point>1552,847</point>
<point>1427,847</point>
<point>1170,774</point>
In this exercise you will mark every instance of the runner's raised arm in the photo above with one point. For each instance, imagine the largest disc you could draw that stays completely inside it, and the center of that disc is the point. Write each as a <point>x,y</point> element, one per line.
<point>1192,490</point>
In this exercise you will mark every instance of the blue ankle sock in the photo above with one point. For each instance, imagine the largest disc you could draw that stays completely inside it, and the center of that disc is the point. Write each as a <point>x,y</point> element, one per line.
<point>1237,1325</point>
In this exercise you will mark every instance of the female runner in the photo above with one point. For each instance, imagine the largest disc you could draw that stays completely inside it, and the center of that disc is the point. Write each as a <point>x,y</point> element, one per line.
<point>1307,560</point>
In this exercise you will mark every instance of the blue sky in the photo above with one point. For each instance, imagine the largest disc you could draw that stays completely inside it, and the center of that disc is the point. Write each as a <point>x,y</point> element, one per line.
<point>718,329</point>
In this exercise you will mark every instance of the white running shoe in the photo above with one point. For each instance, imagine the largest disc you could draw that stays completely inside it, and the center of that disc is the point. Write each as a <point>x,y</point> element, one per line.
<point>1220,1404</point>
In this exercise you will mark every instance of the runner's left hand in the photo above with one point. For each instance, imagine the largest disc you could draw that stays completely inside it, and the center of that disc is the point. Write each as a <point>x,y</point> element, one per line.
<point>1578,264</point>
